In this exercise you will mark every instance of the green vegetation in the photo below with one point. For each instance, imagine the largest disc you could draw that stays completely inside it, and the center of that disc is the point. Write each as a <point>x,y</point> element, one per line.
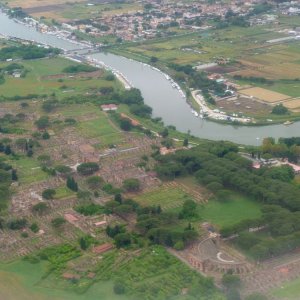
<point>79,68</point>
<point>167,197</point>
<point>288,290</point>
<point>26,52</point>
<point>230,212</point>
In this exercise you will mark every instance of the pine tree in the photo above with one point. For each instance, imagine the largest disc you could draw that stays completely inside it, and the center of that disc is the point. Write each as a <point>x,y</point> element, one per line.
<point>14,175</point>
<point>72,184</point>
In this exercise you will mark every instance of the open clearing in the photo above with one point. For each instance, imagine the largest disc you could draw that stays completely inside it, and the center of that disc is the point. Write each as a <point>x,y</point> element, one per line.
<point>290,290</point>
<point>166,197</point>
<point>292,104</point>
<point>264,94</point>
<point>227,213</point>
<point>45,76</point>
<point>17,282</point>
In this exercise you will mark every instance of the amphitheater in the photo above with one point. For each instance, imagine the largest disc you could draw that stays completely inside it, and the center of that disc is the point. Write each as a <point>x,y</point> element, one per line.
<point>211,256</point>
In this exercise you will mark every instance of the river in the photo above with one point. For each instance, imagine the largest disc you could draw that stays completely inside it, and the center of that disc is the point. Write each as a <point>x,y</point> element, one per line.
<point>158,93</point>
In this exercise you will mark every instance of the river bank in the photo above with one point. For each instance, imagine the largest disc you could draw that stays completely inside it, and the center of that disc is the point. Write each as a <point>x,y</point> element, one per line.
<point>159,94</point>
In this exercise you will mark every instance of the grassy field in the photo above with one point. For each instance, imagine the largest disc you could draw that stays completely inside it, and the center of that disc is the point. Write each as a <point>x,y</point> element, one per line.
<point>63,192</point>
<point>166,197</point>
<point>228,213</point>
<point>232,42</point>
<point>290,290</point>
<point>151,273</point>
<point>37,82</point>
<point>102,129</point>
<point>29,170</point>
<point>21,281</point>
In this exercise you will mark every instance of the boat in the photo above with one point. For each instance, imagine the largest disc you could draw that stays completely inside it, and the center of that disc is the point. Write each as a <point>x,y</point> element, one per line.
<point>288,123</point>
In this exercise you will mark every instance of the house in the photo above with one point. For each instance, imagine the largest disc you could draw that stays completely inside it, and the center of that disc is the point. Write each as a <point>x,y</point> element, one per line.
<point>109,107</point>
<point>101,223</point>
<point>102,248</point>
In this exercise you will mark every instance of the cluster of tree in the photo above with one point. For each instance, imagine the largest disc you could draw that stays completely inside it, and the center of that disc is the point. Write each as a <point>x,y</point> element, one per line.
<point>48,194</point>
<point>283,230</point>
<point>232,283</point>
<point>79,68</point>
<point>90,209</point>
<point>199,80</point>
<point>285,148</point>
<point>10,69</point>
<point>88,168</point>
<point>17,12</point>
<point>279,109</point>
<point>162,228</point>
<point>8,122</point>
<point>131,185</point>
<point>49,105</point>
<point>218,166</point>
<point>157,226</point>
<point>26,52</point>
<point>6,176</point>
<point>120,236</point>
<point>253,79</point>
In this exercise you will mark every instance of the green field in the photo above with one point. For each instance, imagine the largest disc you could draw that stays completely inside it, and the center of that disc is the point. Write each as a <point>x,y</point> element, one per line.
<point>29,170</point>
<point>232,42</point>
<point>166,197</point>
<point>151,273</point>
<point>63,192</point>
<point>22,281</point>
<point>36,82</point>
<point>102,129</point>
<point>288,291</point>
<point>222,214</point>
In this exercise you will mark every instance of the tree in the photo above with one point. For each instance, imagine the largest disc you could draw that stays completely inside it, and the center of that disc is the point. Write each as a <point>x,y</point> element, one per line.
<point>34,227</point>
<point>125,124</point>
<point>65,170</point>
<point>83,243</point>
<point>72,184</point>
<point>58,222</point>
<point>279,109</point>
<point>189,209</point>
<point>46,135</point>
<point>122,240</point>
<point>40,208</point>
<point>231,281</point>
<point>94,182</point>
<point>48,194</point>
<point>131,184</point>
<point>17,224</point>
<point>42,123</point>
<point>7,150</point>
<point>153,59</point>
<point>185,142</point>
<point>119,288</point>
<point>14,176</point>
<point>88,168</point>
<point>164,133</point>
<point>49,105</point>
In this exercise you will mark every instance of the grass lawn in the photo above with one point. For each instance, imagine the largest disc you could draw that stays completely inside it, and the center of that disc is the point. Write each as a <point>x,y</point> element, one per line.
<point>151,273</point>
<point>21,281</point>
<point>290,290</point>
<point>63,192</point>
<point>101,128</point>
<point>166,197</point>
<point>29,170</point>
<point>228,213</point>
<point>35,81</point>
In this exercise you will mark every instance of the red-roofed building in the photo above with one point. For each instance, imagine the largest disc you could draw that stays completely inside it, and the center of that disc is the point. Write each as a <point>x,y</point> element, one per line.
<point>102,248</point>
